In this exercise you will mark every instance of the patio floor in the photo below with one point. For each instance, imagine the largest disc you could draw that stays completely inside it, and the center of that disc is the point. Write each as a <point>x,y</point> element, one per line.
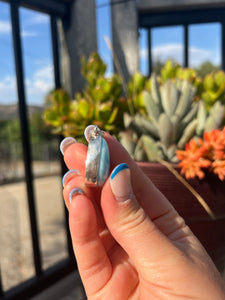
<point>15,239</point>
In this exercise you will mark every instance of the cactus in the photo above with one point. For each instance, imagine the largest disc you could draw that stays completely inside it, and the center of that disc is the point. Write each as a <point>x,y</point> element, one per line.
<point>99,103</point>
<point>172,119</point>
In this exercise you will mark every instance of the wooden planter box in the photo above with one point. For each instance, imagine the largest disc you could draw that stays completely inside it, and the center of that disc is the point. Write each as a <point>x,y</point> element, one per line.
<point>210,232</point>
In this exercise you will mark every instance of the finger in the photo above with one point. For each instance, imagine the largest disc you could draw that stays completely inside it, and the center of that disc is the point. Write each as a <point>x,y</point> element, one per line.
<point>129,224</point>
<point>71,180</point>
<point>74,154</point>
<point>93,263</point>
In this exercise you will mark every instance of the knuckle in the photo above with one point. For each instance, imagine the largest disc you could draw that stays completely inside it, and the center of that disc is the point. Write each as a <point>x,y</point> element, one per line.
<point>132,219</point>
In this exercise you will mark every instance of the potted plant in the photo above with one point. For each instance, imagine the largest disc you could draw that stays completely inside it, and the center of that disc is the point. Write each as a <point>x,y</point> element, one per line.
<point>158,117</point>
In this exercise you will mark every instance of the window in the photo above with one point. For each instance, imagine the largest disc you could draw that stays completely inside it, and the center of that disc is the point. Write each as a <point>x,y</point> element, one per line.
<point>192,38</point>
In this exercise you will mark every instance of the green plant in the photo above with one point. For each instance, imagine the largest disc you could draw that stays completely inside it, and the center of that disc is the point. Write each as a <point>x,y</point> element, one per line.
<point>99,103</point>
<point>174,71</point>
<point>137,85</point>
<point>172,119</point>
<point>159,114</point>
<point>210,88</point>
<point>214,88</point>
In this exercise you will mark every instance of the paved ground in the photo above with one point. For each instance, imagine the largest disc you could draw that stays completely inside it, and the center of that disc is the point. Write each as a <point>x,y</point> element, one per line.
<point>64,290</point>
<point>15,239</point>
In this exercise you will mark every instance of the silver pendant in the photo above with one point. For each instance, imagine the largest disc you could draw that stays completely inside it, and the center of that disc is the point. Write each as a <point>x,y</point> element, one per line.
<point>97,162</point>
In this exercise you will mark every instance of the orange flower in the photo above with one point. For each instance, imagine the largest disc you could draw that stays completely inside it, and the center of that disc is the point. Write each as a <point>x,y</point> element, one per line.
<point>193,169</point>
<point>218,167</point>
<point>201,154</point>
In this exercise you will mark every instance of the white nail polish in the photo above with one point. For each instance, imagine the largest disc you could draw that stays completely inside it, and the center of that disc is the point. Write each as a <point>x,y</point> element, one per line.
<point>65,143</point>
<point>69,174</point>
<point>75,191</point>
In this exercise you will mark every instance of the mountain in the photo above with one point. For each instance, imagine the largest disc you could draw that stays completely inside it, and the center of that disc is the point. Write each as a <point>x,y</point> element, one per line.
<point>10,112</point>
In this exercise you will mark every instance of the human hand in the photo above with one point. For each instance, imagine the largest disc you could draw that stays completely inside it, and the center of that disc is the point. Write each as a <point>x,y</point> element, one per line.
<point>129,241</point>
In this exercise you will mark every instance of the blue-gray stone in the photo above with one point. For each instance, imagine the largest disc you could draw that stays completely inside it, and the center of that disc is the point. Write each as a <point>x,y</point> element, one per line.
<point>103,168</point>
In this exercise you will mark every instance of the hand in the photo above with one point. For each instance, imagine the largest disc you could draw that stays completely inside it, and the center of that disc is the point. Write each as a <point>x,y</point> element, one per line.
<point>129,241</point>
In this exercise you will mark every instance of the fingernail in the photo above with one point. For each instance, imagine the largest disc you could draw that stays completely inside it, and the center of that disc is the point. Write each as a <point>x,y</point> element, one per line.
<point>74,192</point>
<point>69,175</point>
<point>65,143</point>
<point>120,183</point>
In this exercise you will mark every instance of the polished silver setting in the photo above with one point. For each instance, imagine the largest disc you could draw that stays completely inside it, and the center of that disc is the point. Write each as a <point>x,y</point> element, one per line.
<point>92,131</point>
<point>93,175</point>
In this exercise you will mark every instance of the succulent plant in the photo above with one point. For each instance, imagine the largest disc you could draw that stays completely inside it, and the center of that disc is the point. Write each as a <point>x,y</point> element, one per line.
<point>99,103</point>
<point>57,110</point>
<point>172,119</point>
<point>214,88</point>
<point>174,71</point>
<point>137,84</point>
<point>159,114</point>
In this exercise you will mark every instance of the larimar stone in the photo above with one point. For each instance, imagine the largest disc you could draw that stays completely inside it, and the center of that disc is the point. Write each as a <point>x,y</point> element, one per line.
<point>97,162</point>
<point>103,166</point>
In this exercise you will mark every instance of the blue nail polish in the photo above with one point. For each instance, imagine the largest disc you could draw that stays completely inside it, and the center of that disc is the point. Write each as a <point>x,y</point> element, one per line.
<point>68,175</point>
<point>75,191</point>
<point>118,169</point>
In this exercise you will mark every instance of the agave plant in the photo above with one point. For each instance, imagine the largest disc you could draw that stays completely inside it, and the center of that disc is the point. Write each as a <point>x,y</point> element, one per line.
<point>172,119</point>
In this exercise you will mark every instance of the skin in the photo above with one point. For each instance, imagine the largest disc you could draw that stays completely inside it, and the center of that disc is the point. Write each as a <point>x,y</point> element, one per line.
<point>138,248</point>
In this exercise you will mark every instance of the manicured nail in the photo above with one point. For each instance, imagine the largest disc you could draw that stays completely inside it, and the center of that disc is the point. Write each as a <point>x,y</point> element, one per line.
<point>69,175</point>
<point>65,143</point>
<point>120,183</point>
<point>73,192</point>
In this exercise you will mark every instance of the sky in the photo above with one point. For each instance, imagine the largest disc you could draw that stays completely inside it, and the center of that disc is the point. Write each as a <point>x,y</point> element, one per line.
<point>37,56</point>
<point>167,42</point>
<point>204,41</point>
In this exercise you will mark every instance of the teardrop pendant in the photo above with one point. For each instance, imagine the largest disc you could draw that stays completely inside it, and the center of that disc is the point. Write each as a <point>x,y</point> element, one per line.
<point>97,162</point>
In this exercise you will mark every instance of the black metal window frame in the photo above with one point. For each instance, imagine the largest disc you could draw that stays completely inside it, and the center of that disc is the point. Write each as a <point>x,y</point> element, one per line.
<point>43,278</point>
<point>185,18</point>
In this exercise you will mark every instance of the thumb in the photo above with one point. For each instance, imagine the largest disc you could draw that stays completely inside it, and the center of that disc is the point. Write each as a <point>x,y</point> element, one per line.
<point>129,223</point>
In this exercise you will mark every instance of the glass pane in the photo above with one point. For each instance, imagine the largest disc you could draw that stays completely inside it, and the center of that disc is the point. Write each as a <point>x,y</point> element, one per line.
<point>15,239</point>
<point>103,16</point>
<point>167,43</point>
<point>143,52</point>
<point>205,47</point>
<point>36,38</point>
